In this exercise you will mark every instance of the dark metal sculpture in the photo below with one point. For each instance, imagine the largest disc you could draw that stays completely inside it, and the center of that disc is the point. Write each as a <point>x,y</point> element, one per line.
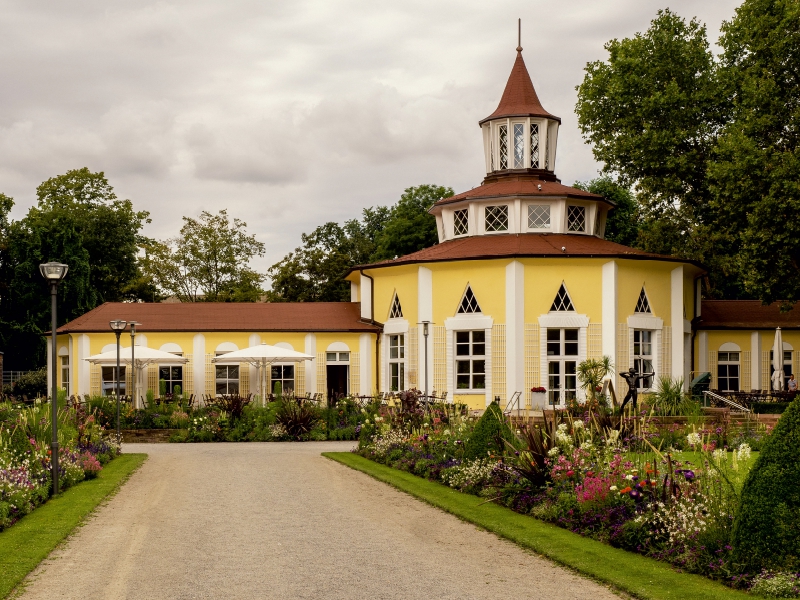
<point>632,378</point>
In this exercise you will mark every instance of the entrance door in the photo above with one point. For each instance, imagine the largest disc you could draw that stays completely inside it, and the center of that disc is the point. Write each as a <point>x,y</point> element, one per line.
<point>338,377</point>
<point>562,354</point>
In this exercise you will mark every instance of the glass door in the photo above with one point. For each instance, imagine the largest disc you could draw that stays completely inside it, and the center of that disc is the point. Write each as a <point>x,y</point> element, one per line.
<point>562,365</point>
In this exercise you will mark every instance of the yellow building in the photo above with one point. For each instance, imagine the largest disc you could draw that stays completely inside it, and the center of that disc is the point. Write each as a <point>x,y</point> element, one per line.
<point>521,288</point>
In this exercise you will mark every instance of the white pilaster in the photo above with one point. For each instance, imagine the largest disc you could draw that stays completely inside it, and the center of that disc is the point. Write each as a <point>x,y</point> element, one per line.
<point>609,310</point>
<point>253,340</point>
<point>199,364</point>
<point>311,365</point>
<point>82,367</point>
<point>353,291</point>
<point>755,361</point>
<point>676,321</point>
<point>425,312</point>
<point>515,329</point>
<point>366,297</point>
<point>365,364</point>
<point>702,350</point>
<point>49,366</point>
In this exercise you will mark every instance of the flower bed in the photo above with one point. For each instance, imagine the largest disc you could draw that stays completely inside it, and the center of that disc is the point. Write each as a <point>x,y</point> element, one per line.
<point>25,467</point>
<point>664,490</point>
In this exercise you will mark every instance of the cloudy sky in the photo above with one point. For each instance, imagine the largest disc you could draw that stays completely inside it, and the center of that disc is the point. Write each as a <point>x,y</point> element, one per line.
<point>289,114</point>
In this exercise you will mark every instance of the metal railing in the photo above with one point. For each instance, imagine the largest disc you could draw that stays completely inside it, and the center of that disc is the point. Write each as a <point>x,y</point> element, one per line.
<point>10,377</point>
<point>718,398</point>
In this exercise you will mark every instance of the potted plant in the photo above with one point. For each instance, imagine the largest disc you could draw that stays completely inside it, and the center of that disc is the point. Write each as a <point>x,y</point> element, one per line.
<point>538,397</point>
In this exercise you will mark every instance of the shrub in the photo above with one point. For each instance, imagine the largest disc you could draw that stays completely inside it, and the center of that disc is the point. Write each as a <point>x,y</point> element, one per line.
<point>669,399</point>
<point>769,408</point>
<point>297,418</point>
<point>31,384</point>
<point>490,434</point>
<point>768,519</point>
<point>776,585</point>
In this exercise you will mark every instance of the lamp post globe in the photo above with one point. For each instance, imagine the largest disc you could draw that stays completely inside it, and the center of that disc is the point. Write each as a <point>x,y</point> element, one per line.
<point>54,273</point>
<point>118,327</point>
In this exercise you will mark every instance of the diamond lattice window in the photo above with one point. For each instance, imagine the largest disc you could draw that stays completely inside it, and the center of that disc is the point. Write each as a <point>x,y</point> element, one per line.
<point>469,304</point>
<point>461,222</point>
<point>547,153</point>
<point>643,305</point>
<point>503,146</point>
<point>397,311</point>
<point>534,145</point>
<point>497,218</point>
<point>539,216</point>
<point>519,146</point>
<point>576,218</point>
<point>562,301</point>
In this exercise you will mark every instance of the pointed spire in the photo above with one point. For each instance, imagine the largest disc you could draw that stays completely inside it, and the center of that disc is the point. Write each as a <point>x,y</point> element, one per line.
<point>519,98</point>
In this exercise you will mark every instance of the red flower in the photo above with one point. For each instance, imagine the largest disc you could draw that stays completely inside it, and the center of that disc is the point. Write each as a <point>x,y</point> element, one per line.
<point>625,490</point>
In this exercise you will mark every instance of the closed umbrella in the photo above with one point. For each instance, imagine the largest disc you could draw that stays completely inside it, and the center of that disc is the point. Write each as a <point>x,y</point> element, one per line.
<point>261,357</point>
<point>777,361</point>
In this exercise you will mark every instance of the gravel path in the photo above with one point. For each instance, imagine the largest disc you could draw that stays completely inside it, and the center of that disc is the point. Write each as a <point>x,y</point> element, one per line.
<point>280,521</point>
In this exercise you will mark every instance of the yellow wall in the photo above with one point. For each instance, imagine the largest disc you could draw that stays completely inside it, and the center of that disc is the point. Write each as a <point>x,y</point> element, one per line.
<point>486,278</point>
<point>473,401</point>
<point>582,278</point>
<point>657,279</point>
<point>402,279</point>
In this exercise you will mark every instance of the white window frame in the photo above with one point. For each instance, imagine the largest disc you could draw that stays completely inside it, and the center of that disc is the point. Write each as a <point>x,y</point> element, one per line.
<point>283,379</point>
<point>531,205</point>
<point>562,358</point>
<point>486,208</point>
<point>460,210</point>
<point>112,390</point>
<point>170,366</point>
<point>397,361</point>
<point>724,360</point>
<point>64,365</point>
<point>471,358</point>
<point>228,379</point>
<point>642,359</point>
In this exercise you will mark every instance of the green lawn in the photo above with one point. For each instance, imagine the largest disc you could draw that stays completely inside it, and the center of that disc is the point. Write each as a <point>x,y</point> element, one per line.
<point>628,572</point>
<point>32,538</point>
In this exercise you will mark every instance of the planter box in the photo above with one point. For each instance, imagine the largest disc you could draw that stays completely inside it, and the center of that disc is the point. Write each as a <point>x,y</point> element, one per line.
<point>147,436</point>
<point>539,400</point>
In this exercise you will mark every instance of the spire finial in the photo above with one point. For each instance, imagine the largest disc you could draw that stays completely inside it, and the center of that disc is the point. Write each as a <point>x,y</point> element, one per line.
<point>519,35</point>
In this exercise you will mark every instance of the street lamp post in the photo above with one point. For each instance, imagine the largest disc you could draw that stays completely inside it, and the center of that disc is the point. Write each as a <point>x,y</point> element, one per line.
<point>54,272</point>
<point>133,325</point>
<point>425,335</point>
<point>118,327</point>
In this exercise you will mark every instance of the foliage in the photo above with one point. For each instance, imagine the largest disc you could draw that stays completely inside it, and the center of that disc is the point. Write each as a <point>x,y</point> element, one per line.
<point>78,220</point>
<point>297,418</point>
<point>232,404</point>
<point>710,145</point>
<point>315,271</point>
<point>591,373</point>
<point>31,384</point>
<point>776,585</point>
<point>208,261</point>
<point>669,398</point>
<point>768,519</point>
<point>622,223</point>
<point>490,434</point>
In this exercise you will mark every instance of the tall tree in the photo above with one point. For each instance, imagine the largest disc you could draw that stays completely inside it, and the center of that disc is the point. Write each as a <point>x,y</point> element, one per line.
<point>755,177</point>
<point>208,261</point>
<point>78,221</point>
<point>622,224</point>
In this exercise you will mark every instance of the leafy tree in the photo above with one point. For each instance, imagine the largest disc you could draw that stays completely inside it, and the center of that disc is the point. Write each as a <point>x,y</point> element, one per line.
<point>410,227</point>
<point>208,261</point>
<point>315,271</point>
<point>78,221</point>
<point>622,224</point>
<point>755,177</point>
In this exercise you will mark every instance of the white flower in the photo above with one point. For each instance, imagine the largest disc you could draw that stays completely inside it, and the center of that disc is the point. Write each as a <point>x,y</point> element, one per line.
<point>694,439</point>
<point>577,425</point>
<point>718,455</point>
<point>629,477</point>
<point>743,453</point>
<point>562,427</point>
<point>553,452</point>
<point>613,488</point>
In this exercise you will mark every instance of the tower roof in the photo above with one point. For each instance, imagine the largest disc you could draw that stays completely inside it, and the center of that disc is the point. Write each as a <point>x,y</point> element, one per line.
<point>519,98</point>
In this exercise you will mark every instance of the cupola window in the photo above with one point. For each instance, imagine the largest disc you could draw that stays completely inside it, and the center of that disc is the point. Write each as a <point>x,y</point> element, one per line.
<point>576,218</point>
<point>547,153</point>
<point>503,146</point>
<point>519,146</point>
<point>461,222</point>
<point>397,310</point>
<point>469,304</point>
<point>562,301</point>
<point>643,305</point>
<point>497,218</point>
<point>597,222</point>
<point>538,216</point>
<point>534,145</point>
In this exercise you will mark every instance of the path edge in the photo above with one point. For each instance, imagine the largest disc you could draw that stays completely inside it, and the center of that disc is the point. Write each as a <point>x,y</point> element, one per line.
<point>633,574</point>
<point>28,542</point>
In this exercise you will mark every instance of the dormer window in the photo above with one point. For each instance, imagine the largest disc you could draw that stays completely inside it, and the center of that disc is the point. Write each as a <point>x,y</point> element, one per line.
<point>576,218</point>
<point>519,146</point>
<point>538,216</point>
<point>503,146</point>
<point>534,145</point>
<point>461,222</point>
<point>497,218</point>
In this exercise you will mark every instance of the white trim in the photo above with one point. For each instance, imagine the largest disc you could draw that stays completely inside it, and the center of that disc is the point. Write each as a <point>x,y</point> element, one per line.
<point>365,363</point>
<point>702,350</point>
<point>646,322</point>
<point>687,326</point>
<point>199,364</point>
<point>515,327</point>
<point>310,347</point>
<point>676,318</point>
<point>395,326</point>
<point>729,347</point>
<point>464,322</point>
<point>609,309</point>
<point>366,297</point>
<point>338,347</point>
<point>226,347</point>
<point>169,347</point>
<point>255,340</point>
<point>425,313</point>
<point>561,319</point>
<point>108,348</point>
<point>84,368</point>
<point>353,291</point>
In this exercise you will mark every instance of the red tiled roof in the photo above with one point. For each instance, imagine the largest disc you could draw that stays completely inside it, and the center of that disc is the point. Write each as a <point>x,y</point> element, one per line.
<point>745,314</point>
<point>535,245</point>
<point>225,316</point>
<point>521,185</point>
<point>519,98</point>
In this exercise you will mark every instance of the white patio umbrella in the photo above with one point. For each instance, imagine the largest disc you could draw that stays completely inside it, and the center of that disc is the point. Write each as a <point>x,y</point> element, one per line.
<point>777,361</point>
<point>261,357</point>
<point>144,356</point>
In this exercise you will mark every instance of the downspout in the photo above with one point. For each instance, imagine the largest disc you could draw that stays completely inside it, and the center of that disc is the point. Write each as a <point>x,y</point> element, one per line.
<point>372,321</point>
